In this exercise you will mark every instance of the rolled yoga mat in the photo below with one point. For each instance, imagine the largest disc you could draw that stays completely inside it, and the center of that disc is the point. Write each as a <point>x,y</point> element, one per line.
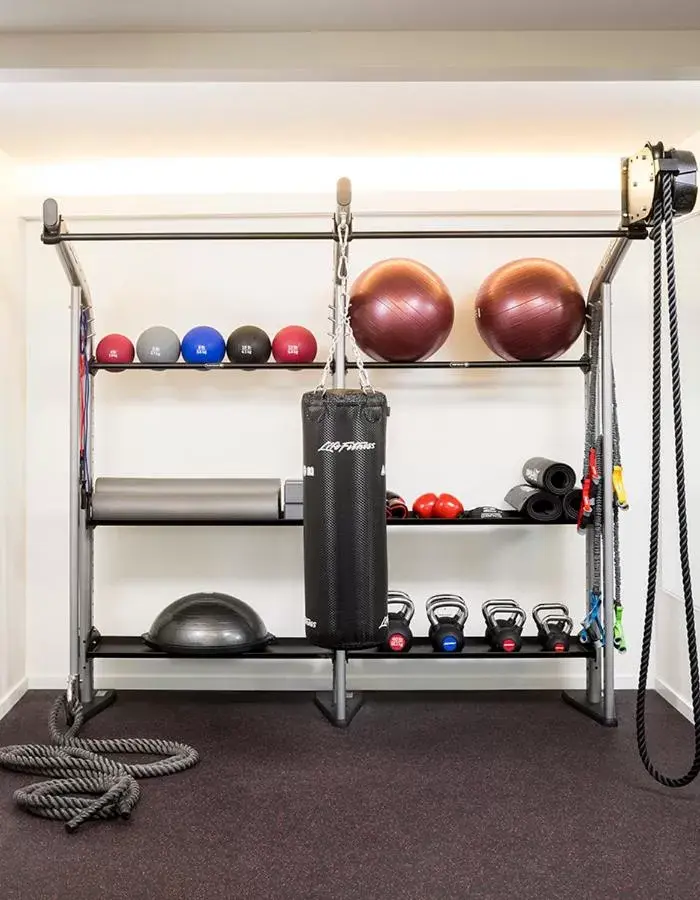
<point>184,499</point>
<point>555,477</point>
<point>534,504</point>
<point>571,503</point>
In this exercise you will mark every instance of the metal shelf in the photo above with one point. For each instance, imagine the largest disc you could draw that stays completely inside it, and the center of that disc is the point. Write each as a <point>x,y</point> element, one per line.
<point>582,364</point>
<point>247,523</point>
<point>134,647</point>
<point>127,647</point>
<point>477,648</point>
<point>271,523</point>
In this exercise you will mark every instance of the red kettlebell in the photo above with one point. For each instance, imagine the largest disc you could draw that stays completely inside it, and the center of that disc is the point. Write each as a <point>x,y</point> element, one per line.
<point>447,506</point>
<point>424,505</point>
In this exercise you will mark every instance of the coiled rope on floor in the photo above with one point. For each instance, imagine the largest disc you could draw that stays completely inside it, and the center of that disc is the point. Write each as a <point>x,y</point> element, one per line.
<point>87,784</point>
<point>663,220</point>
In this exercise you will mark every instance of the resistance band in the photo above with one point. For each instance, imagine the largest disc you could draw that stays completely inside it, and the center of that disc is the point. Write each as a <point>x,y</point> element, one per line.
<point>592,503</point>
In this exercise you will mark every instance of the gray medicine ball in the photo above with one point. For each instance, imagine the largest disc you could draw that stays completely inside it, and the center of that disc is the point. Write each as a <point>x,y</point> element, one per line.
<point>158,344</point>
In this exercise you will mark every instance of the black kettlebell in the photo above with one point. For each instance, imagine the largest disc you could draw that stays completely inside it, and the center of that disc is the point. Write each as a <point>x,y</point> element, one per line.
<point>446,632</point>
<point>399,636</point>
<point>554,626</point>
<point>504,625</point>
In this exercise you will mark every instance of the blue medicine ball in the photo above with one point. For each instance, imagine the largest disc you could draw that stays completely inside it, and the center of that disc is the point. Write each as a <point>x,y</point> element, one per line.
<point>203,345</point>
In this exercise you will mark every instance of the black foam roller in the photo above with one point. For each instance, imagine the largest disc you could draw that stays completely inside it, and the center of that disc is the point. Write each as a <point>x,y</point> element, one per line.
<point>345,545</point>
<point>571,503</point>
<point>555,477</point>
<point>534,504</point>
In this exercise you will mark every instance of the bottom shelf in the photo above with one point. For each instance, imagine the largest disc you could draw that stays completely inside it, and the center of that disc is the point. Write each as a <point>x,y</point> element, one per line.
<point>118,647</point>
<point>477,648</point>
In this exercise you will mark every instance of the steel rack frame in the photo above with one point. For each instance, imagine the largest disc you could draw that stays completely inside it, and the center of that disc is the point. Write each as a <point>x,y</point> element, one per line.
<point>339,704</point>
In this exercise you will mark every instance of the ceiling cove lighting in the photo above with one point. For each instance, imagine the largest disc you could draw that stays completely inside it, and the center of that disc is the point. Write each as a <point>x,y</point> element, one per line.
<point>289,175</point>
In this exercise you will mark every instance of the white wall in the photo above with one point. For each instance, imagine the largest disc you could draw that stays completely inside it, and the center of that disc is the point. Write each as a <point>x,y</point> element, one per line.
<point>482,425</point>
<point>12,446</point>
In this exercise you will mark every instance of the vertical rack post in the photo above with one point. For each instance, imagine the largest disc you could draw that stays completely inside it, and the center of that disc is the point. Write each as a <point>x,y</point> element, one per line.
<point>608,500</point>
<point>74,585</point>
<point>598,700</point>
<point>80,582</point>
<point>85,623</point>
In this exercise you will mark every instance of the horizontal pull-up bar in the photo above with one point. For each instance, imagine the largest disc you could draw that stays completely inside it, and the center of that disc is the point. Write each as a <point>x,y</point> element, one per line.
<point>61,237</point>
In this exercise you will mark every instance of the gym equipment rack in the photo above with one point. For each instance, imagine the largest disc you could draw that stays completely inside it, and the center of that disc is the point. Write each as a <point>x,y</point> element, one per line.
<point>639,184</point>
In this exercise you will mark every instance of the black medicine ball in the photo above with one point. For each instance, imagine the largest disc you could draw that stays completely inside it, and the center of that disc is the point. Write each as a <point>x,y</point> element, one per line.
<point>248,344</point>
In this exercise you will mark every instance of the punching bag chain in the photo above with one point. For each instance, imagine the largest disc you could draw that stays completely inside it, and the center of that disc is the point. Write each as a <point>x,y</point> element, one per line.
<point>341,322</point>
<point>663,219</point>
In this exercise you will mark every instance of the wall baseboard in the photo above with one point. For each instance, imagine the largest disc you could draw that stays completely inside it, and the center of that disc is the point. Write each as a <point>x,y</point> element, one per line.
<point>317,682</point>
<point>677,702</point>
<point>14,695</point>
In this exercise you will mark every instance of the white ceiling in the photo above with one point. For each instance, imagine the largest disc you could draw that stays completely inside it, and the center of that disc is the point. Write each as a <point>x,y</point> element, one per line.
<point>69,121</point>
<point>336,15</point>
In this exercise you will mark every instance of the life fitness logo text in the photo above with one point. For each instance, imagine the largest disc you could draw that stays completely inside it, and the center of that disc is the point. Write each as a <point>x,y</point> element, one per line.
<point>337,447</point>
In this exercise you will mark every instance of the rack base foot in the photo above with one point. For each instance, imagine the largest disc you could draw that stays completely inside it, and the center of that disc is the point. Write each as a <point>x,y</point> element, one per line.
<point>99,703</point>
<point>595,711</point>
<point>353,702</point>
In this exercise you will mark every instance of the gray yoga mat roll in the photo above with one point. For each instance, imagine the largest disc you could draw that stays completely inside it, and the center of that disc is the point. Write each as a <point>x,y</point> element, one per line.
<point>169,499</point>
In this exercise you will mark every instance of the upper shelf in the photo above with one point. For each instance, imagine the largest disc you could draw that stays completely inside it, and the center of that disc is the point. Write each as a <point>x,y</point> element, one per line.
<point>582,364</point>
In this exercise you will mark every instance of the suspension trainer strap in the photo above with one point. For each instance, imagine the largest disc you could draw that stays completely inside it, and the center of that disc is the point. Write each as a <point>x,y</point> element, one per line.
<point>663,220</point>
<point>592,496</point>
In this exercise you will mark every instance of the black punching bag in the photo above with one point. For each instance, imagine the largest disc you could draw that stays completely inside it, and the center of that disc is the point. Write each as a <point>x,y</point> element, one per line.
<point>345,551</point>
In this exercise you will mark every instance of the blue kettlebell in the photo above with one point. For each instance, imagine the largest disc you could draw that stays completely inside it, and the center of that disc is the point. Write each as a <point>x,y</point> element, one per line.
<point>446,632</point>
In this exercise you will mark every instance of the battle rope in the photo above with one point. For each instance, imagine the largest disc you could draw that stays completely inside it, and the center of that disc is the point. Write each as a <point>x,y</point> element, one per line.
<point>79,769</point>
<point>663,217</point>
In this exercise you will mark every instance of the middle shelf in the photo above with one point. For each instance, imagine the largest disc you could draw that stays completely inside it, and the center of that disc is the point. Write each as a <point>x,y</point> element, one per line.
<point>94,521</point>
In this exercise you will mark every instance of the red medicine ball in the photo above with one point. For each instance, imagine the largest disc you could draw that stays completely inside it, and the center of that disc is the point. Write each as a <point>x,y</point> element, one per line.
<point>114,348</point>
<point>294,344</point>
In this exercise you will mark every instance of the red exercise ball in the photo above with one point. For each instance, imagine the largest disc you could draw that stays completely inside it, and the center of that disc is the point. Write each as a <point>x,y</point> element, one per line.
<point>400,311</point>
<point>294,344</point>
<point>114,348</point>
<point>530,309</point>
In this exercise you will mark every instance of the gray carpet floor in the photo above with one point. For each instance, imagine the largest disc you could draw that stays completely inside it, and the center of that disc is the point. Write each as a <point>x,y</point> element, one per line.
<point>483,796</point>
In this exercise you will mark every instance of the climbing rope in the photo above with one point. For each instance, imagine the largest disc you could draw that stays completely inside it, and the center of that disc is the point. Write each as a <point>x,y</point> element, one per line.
<point>88,785</point>
<point>663,220</point>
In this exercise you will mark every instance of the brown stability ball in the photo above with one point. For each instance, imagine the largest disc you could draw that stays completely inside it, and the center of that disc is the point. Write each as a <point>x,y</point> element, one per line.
<point>530,309</point>
<point>400,311</point>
